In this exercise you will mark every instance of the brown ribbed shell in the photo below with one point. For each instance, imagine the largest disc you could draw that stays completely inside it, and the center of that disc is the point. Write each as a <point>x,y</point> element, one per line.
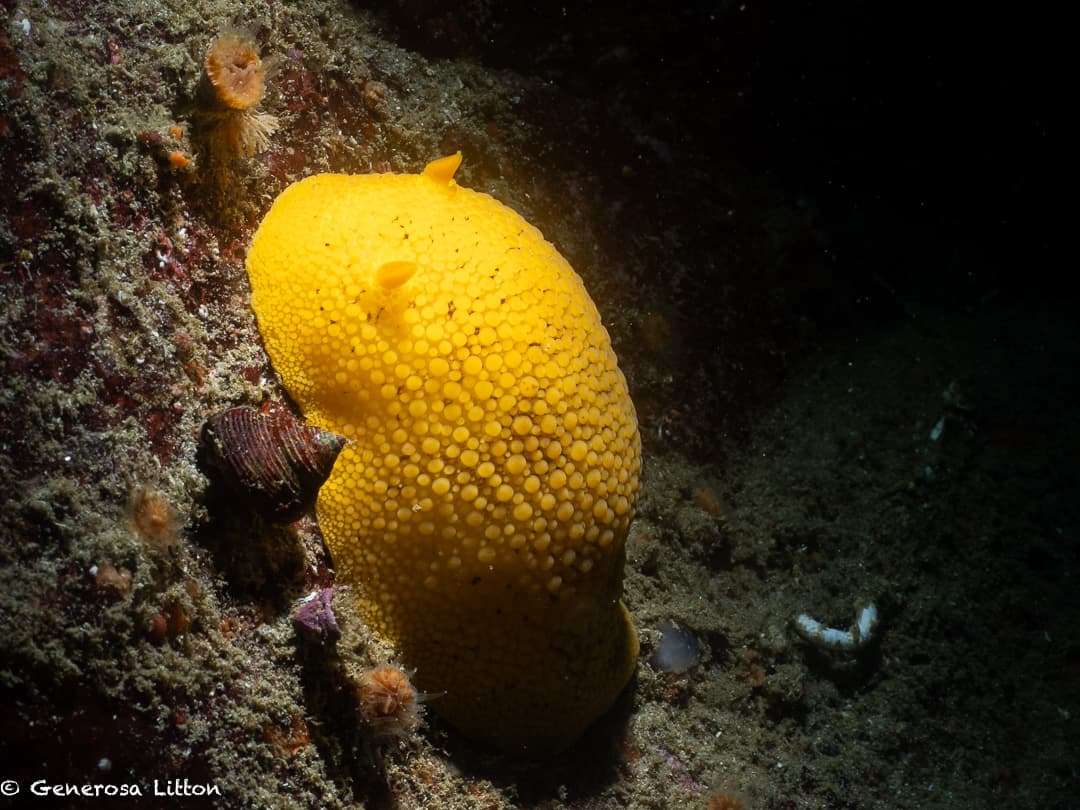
<point>270,458</point>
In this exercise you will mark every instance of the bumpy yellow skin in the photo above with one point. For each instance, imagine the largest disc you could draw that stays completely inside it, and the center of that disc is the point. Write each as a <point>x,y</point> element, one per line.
<point>484,496</point>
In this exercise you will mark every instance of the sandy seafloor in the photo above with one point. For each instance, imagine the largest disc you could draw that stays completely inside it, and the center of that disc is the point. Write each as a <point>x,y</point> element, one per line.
<point>835,407</point>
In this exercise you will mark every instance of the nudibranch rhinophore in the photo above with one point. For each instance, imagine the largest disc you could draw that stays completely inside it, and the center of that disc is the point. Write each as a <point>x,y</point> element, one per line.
<point>483,499</point>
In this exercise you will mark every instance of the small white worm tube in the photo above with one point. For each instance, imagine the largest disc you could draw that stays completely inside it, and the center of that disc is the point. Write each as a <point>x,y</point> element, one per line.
<point>829,638</point>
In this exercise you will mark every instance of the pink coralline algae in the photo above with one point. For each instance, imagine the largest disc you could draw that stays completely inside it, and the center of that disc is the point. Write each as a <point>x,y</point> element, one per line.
<point>314,620</point>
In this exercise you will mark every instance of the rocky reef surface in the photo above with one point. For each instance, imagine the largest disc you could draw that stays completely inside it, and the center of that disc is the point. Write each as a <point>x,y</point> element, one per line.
<point>832,412</point>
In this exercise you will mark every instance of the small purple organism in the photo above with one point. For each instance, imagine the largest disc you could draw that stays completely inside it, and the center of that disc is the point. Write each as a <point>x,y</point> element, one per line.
<point>314,620</point>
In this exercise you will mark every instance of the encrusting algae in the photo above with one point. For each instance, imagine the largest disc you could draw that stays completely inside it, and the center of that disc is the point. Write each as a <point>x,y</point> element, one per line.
<point>483,499</point>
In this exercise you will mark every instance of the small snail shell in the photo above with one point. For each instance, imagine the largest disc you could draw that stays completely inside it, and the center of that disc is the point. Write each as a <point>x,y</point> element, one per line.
<point>270,458</point>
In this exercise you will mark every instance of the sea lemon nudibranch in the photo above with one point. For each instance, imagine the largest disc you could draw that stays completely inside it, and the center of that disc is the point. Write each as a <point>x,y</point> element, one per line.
<point>483,499</point>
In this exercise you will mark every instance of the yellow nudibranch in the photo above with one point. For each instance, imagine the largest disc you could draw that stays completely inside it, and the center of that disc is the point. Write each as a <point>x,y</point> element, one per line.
<point>483,499</point>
